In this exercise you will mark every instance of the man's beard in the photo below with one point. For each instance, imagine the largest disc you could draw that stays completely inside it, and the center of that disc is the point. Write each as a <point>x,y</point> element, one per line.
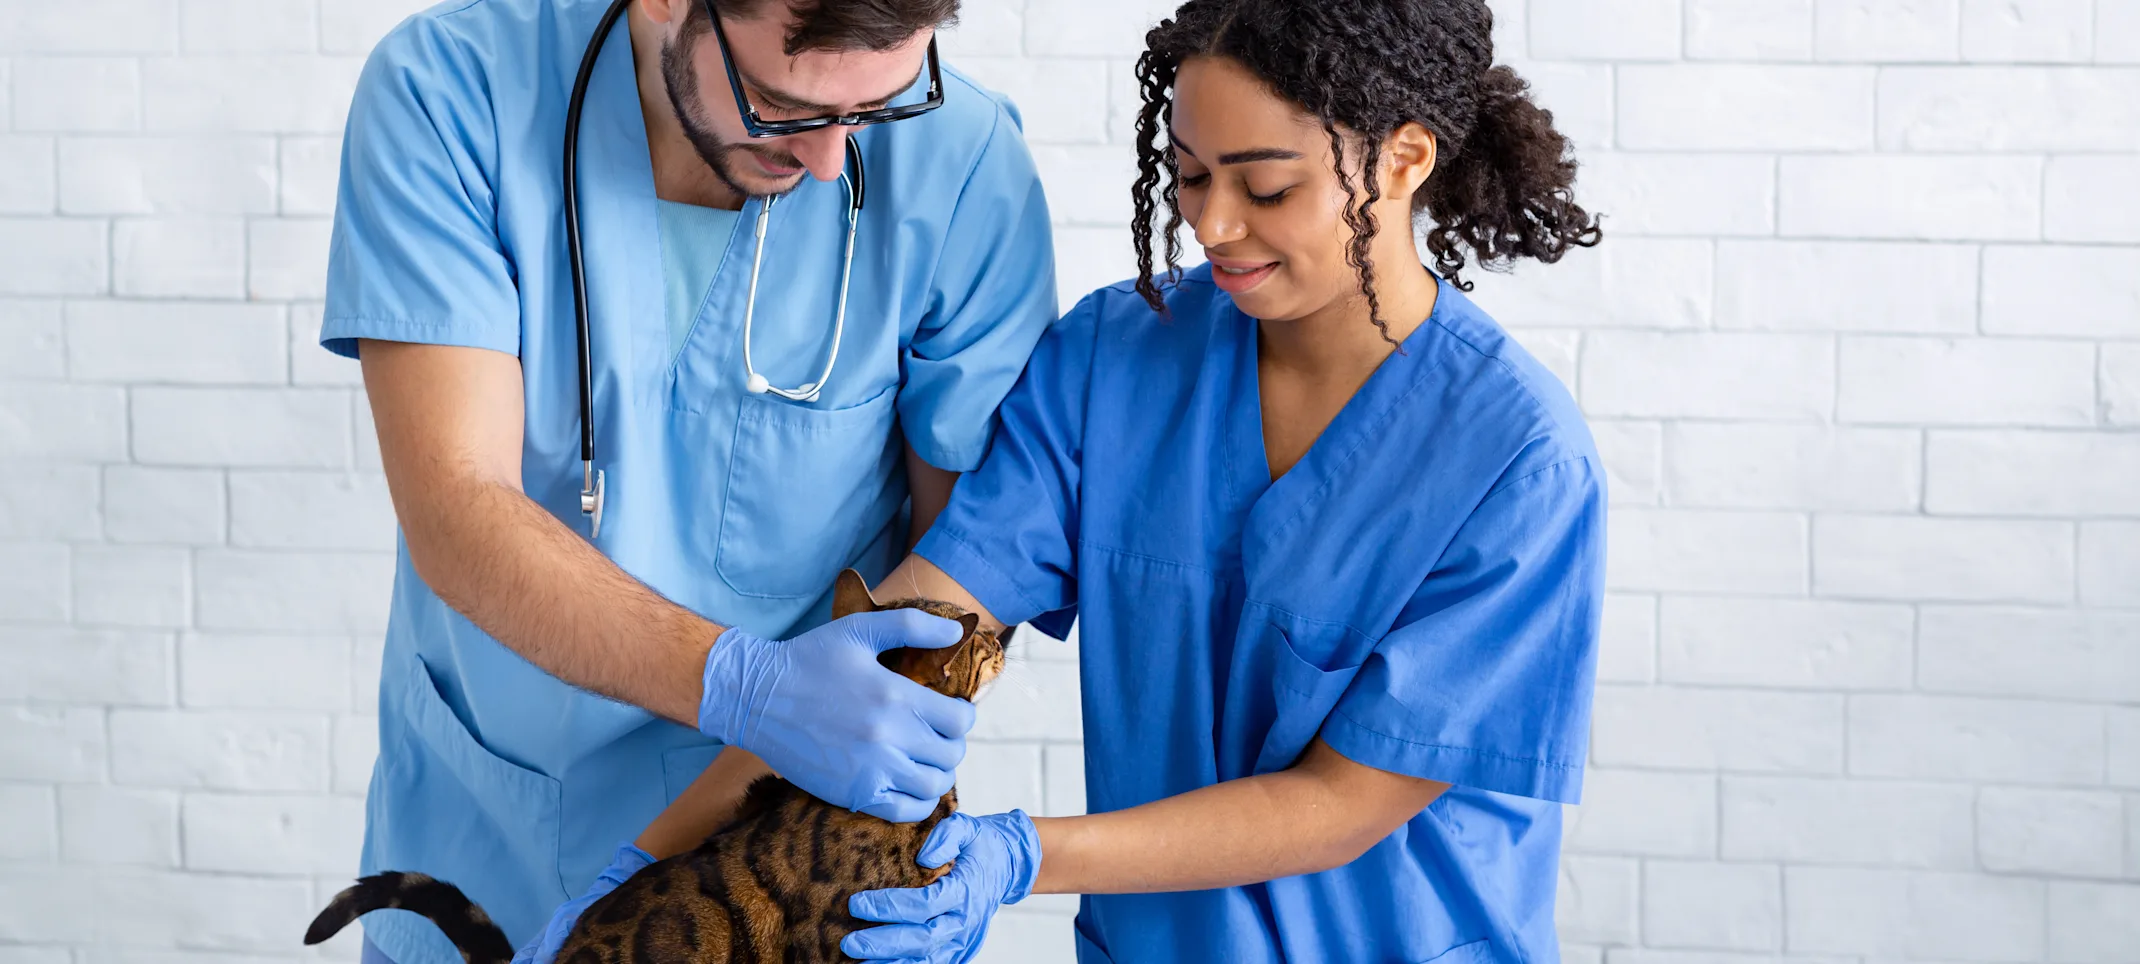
<point>680,76</point>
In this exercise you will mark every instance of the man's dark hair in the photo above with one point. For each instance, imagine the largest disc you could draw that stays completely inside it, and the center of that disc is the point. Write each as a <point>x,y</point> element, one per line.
<point>849,24</point>
<point>1364,68</point>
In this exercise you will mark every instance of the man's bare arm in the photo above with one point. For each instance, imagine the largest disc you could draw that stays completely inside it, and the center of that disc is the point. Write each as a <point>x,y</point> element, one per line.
<point>450,425</point>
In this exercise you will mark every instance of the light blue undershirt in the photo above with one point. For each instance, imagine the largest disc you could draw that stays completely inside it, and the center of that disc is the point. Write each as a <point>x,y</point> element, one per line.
<point>693,239</point>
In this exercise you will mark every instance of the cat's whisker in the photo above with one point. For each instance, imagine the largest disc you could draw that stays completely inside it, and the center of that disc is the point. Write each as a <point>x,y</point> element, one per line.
<point>1014,671</point>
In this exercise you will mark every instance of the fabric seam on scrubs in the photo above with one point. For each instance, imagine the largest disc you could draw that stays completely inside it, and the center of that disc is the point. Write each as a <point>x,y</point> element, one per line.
<point>996,579</point>
<point>1515,376</point>
<point>336,334</point>
<point>445,12</point>
<point>1528,476</point>
<point>932,450</point>
<point>1495,773</point>
<point>1173,563</point>
<point>1341,714</point>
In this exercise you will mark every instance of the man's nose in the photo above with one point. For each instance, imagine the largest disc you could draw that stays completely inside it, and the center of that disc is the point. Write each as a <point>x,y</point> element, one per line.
<point>823,152</point>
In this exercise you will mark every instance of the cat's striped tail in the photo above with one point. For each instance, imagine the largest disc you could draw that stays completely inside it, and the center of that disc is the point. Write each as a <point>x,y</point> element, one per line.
<point>465,924</point>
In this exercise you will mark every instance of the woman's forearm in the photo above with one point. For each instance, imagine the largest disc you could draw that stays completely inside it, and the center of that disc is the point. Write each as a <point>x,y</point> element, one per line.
<point>705,806</point>
<point>1233,833</point>
<point>1323,813</point>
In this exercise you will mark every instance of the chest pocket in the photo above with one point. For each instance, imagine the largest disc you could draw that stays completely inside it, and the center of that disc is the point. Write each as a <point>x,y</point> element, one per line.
<point>1302,693</point>
<point>808,489</point>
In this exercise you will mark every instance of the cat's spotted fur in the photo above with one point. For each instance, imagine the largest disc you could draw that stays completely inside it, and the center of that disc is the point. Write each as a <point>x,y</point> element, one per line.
<point>772,886</point>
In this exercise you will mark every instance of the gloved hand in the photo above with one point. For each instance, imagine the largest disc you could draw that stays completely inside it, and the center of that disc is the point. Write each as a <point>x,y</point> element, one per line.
<point>825,715</point>
<point>630,860</point>
<point>994,860</point>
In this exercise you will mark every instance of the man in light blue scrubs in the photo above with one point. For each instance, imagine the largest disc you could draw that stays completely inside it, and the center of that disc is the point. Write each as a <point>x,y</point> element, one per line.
<point>547,689</point>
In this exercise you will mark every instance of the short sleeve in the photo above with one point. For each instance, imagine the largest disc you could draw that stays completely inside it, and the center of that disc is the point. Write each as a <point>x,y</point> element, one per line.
<point>992,296</point>
<point>415,254</point>
<point>1486,681</point>
<point>1009,533</point>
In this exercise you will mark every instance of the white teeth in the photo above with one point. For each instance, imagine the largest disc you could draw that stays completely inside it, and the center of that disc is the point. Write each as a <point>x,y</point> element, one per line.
<point>1243,270</point>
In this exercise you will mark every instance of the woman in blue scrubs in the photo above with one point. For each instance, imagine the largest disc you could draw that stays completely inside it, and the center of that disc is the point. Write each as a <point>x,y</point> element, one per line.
<point>1335,541</point>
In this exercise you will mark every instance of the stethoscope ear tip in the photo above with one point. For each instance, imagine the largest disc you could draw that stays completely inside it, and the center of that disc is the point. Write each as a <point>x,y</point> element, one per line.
<point>757,384</point>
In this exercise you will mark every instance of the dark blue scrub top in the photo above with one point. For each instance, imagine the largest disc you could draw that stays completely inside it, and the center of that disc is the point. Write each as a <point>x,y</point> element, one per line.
<point>1421,591</point>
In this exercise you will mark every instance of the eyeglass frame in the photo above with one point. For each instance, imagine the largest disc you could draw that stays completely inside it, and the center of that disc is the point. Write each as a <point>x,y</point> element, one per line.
<point>758,127</point>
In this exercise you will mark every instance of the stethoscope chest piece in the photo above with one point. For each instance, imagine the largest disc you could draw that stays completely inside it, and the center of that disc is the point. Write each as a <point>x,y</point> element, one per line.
<point>593,494</point>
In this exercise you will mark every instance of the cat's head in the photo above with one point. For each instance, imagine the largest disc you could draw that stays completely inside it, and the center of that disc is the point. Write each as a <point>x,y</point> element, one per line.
<point>960,669</point>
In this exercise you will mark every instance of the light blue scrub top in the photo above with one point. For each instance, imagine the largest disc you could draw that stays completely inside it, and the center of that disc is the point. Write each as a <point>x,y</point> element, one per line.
<point>493,774</point>
<point>1421,590</point>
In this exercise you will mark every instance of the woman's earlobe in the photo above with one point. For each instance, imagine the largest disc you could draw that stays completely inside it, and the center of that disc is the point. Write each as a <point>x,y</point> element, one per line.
<point>1412,151</point>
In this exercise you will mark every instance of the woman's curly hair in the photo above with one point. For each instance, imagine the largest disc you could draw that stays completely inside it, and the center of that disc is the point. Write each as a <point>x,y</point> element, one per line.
<point>1501,184</point>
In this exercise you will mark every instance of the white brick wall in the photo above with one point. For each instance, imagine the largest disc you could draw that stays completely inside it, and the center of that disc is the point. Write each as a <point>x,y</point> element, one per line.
<point>1862,355</point>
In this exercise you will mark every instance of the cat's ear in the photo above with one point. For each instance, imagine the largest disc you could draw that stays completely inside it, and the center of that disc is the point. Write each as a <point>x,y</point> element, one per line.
<point>969,623</point>
<point>850,595</point>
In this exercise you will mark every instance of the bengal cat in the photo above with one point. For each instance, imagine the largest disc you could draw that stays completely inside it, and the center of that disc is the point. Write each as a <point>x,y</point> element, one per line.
<point>772,886</point>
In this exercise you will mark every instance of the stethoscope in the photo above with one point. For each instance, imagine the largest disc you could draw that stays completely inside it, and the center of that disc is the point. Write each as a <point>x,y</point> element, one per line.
<point>593,486</point>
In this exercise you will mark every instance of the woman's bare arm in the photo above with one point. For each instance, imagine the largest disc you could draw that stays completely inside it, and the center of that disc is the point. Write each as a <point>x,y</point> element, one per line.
<point>918,577</point>
<point>928,491</point>
<point>1322,813</point>
<point>705,806</point>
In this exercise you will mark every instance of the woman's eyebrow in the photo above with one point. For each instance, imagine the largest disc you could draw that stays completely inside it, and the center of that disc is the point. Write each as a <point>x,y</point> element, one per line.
<point>1255,154</point>
<point>1248,156</point>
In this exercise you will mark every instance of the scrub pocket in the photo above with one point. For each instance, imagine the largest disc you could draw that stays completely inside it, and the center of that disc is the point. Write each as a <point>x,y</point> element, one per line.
<point>808,489</point>
<point>1304,695</point>
<point>466,813</point>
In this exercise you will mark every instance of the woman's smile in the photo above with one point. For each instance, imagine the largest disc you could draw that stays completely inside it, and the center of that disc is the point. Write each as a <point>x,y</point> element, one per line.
<point>1236,276</point>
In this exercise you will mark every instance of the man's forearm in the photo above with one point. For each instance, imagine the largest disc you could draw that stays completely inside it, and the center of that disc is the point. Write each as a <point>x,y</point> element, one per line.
<point>510,567</point>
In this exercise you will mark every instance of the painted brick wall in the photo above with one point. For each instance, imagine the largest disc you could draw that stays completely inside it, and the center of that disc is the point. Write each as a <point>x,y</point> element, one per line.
<point>1863,353</point>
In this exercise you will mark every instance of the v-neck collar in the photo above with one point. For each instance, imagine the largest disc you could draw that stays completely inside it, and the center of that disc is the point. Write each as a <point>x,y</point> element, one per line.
<point>1276,503</point>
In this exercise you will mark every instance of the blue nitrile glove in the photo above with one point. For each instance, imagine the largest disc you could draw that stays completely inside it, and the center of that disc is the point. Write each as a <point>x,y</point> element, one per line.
<point>993,862</point>
<point>543,949</point>
<point>825,715</point>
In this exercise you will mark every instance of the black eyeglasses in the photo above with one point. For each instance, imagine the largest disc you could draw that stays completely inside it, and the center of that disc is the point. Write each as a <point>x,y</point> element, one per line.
<point>757,126</point>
